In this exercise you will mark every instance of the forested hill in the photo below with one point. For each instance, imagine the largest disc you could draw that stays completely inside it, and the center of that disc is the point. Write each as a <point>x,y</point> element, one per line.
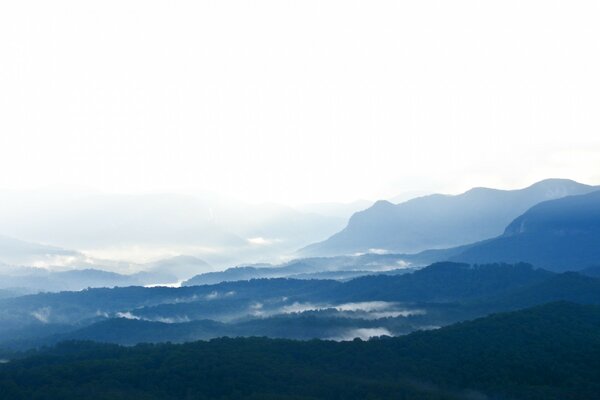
<point>558,235</point>
<point>546,352</point>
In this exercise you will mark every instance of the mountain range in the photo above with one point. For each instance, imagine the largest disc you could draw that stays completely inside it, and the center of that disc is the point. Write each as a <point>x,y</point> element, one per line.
<point>440,221</point>
<point>143,227</point>
<point>499,312</point>
<point>76,271</point>
<point>559,235</point>
<point>438,295</point>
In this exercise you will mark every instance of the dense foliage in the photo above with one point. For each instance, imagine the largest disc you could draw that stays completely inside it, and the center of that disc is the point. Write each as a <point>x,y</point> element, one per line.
<point>547,352</point>
<point>438,295</point>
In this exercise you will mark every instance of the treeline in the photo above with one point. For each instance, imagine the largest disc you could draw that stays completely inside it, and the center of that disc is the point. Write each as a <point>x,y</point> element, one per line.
<point>547,352</point>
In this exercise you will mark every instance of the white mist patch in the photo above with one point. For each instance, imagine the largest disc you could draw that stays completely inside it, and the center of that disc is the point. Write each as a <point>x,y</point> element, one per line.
<point>378,251</point>
<point>261,241</point>
<point>188,299</point>
<point>42,314</point>
<point>212,295</point>
<point>363,333</point>
<point>133,257</point>
<point>366,306</point>
<point>100,313</point>
<point>167,320</point>
<point>367,309</point>
<point>302,307</point>
<point>400,264</point>
<point>51,260</point>
<point>378,309</point>
<point>256,310</point>
<point>395,314</point>
<point>4,361</point>
<point>429,327</point>
<point>170,285</point>
<point>127,315</point>
<point>217,295</point>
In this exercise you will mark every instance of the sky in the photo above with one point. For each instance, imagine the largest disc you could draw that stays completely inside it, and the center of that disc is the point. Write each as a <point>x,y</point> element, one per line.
<point>298,101</point>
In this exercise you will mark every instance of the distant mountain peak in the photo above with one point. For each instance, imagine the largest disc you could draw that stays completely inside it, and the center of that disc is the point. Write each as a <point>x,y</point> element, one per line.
<point>558,234</point>
<point>382,204</point>
<point>557,181</point>
<point>440,221</point>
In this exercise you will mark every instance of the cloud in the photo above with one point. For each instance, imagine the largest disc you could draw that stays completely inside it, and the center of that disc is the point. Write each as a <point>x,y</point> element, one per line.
<point>51,260</point>
<point>212,295</point>
<point>256,309</point>
<point>166,320</point>
<point>378,251</point>
<point>395,314</point>
<point>216,295</point>
<point>302,307</point>
<point>171,320</point>
<point>42,314</point>
<point>367,306</point>
<point>127,315</point>
<point>363,333</point>
<point>261,241</point>
<point>367,309</point>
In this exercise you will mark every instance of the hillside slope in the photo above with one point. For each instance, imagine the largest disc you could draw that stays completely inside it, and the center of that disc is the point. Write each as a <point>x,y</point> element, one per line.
<point>439,221</point>
<point>558,235</point>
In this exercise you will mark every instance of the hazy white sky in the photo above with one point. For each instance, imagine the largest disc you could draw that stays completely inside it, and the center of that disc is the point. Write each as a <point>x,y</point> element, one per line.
<point>298,101</point>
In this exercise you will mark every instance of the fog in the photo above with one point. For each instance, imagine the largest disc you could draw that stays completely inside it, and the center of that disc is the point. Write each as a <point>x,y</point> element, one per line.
<point>362,333</point>
<point>344,102</point>
<point>96,229</point>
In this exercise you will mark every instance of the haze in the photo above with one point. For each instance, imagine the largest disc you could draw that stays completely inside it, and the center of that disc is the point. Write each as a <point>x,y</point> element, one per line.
<point>200,199</point>
<point>298,102</point>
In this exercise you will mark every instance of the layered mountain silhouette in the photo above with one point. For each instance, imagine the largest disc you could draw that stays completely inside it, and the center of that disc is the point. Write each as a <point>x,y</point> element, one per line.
<point>219,230</point>
<point>558,235</point>
<point>440,221</point>
<point>340,267</point>
<point>440,294</point>
<point>15,251</point>
<point>181,267</point>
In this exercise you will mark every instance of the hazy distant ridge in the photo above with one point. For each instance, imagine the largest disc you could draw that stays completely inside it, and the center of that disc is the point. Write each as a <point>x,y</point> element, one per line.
<point>440,221</point>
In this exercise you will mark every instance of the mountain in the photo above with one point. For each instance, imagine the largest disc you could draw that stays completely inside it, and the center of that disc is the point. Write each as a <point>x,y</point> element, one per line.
<point>594,271</point>
<point>219,230</point>
<point>181,267</point>
<point>547,352</point>
<point>19,252</point>
<point>441,282</point>
<point>440,221</point>
<point>439,295</point>
<point>410,296</point>
<point>242,273</point>
<point>340,267</point>
<point>558,235</point>
<point>32,280</point>
<point>567,286</point>
<point>300,326</point>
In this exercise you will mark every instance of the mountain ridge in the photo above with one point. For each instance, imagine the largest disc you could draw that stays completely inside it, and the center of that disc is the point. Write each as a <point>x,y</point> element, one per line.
<point>559,235</point>
<point>440,221</point>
